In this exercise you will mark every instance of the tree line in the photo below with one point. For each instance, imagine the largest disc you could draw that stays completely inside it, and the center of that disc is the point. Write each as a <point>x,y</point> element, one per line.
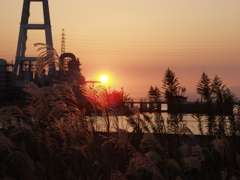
<point>218,104</point>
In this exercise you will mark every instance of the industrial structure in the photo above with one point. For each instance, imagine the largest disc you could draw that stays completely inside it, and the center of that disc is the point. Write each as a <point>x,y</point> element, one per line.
<point>6,76</point>
<point>14,76</point>
<point>24,66</point>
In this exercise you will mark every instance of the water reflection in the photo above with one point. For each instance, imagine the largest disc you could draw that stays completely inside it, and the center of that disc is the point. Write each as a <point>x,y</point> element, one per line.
<point>191,123</point>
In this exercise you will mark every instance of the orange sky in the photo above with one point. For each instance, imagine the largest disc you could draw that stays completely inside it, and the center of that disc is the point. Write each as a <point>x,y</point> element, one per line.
<point>134,42</point>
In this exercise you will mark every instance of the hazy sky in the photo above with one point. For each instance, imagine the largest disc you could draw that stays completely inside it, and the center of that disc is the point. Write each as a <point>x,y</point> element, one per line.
<point>135,41</point>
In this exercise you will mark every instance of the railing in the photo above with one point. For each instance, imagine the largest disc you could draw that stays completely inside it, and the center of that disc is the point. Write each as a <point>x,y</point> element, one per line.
<point>149,106</point>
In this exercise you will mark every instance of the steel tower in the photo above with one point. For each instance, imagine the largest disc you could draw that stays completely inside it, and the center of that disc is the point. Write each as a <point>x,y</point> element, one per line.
<point>63,42</point>
<point>23,68</point>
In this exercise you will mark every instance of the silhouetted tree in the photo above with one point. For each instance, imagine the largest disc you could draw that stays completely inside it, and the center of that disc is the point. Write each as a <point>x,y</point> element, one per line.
<point>157,124</point>
<point>219,102</point>
<point>225,101</point>
<point>170,85</point>
<point>118,101</point>
<point>222,96</point>
<point>217,84</point>
<point>218,91</point>
<point>204,88</point>
<point>154,94</point>
<point>173,93</point>
<point>229,109</point>
<point>198,115</point>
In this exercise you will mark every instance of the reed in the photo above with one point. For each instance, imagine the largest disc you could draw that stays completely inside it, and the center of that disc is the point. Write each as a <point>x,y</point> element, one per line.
<point>51,138</point>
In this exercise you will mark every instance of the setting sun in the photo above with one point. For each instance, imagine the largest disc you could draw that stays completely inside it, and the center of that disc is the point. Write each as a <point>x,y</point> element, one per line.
<point>104,78</point>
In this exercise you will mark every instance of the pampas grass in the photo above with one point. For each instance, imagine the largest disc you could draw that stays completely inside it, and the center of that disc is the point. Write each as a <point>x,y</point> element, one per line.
<point>52,137</point>
<point>68,147</point>
<point>48,58</point>
<point>98,96</point>
<point>191,163</point>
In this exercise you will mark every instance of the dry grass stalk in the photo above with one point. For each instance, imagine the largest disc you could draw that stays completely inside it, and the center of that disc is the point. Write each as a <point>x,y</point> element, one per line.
<point>117,175</point>
<point>192,163</point>
<point>51,103</point>
<point>197,152</point>
<point>153,156</point>
<point>140,162</point>
<point>185,130</point>
<point>185,150</point>
<point>6,144</point>
<point>98,97</point>
<point>221,145</point>
<point>150,142</point>
<point>47,58</point>
<point>173,164</point>
<point>10,115</point>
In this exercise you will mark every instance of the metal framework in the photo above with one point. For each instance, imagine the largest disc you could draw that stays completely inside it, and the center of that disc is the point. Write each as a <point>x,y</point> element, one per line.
<point>63,42</point>
<point>23,68</point>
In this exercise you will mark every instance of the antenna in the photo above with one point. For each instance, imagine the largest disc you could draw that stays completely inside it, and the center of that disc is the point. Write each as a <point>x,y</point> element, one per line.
<point>63,42</point>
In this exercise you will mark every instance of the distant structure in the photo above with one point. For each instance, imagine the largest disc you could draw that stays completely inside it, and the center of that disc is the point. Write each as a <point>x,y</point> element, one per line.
<point>13,76</point>
<point>71,72</point>
<point>24,66</point>
<point>6,77</point>
<point>63,42</point>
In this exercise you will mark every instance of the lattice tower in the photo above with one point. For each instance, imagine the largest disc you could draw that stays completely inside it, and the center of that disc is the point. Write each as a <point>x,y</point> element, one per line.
<point>63,42</point>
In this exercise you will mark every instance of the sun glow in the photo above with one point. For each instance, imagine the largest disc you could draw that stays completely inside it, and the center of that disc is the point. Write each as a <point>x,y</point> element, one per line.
<point>104,78</point>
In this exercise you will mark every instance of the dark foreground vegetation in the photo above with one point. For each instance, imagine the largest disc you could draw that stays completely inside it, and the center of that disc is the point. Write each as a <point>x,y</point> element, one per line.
<point>51,137</point>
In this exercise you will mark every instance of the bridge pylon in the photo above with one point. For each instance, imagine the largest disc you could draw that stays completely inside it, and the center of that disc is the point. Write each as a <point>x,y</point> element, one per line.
<point>24,66</point>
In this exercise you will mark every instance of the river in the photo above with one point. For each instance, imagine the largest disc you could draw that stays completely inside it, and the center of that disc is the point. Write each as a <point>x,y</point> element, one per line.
<point>191,123</point>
